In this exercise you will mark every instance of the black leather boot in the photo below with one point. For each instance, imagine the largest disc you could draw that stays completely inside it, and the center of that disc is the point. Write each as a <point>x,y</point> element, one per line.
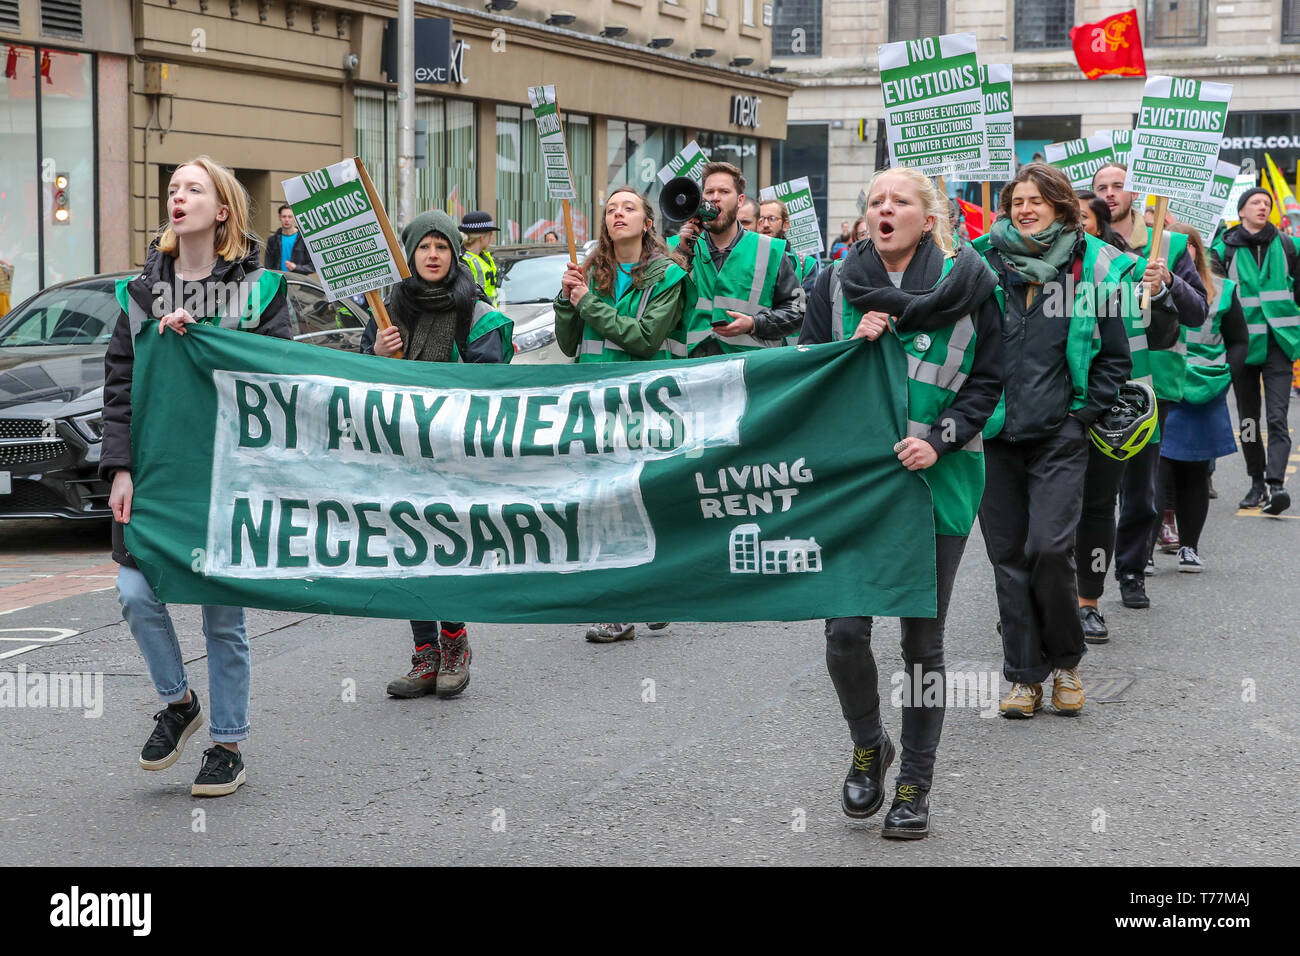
<point>1257,495</point>
<point>864,787</point>
<point>909,817</point>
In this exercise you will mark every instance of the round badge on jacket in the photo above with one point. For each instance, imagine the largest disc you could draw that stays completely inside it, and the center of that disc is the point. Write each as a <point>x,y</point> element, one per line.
<point>922,342</point>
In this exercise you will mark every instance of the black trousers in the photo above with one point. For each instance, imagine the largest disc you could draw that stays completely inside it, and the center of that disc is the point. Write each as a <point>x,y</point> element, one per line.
<point>1139,515</point>
<point>426,632</point>
<point>1190,481</point>
<point>1275,374</point>
<point>1033,495</point>
<point>1094,542</point>
<point>852,667</point>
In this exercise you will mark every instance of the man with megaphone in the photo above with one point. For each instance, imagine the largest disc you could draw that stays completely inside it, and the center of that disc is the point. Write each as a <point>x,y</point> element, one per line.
<point>749,295</point>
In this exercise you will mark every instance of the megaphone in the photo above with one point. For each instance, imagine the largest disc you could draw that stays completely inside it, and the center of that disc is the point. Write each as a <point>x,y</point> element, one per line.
<point>682,200</point>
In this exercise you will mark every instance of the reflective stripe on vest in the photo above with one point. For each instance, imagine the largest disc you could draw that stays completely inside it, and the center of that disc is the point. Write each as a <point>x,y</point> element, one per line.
<point>1267,296</point>
<point>597,346</point>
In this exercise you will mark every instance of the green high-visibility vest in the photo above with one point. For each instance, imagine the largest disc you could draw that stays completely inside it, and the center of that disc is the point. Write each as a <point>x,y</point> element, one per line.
<point>1135,326</point>
<point>252,296</point>
<point>484,269</point>
<point>596,348</point>
<point>1168,366</point>
<point>1267,297</point>
<point>746,284</point>
<point>486,321</point>
<point>938,364</point>
<point>1106,270</point>
<point>804,266</point>
<point>1208,375</point>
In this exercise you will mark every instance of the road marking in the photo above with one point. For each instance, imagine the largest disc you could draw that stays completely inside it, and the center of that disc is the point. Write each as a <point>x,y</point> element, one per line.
<point>61,634</point>
<point>1256,513</point>
<point>21,650</point>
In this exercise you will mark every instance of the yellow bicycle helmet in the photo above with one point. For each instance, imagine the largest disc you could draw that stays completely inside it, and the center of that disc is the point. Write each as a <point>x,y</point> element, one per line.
<point>1125,429</point>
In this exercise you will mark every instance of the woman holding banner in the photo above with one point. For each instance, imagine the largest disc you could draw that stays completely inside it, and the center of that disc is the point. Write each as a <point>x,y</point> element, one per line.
<point>1066,355</point>
<point>906,289</point>
<point>624,303</point>
<point>439,314</point>
<point>205,254</point>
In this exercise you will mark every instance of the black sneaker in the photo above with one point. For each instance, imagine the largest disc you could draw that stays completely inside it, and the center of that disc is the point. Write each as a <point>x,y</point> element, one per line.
<point>864,787</point>
<point>1279,499</point>
<point>1094,625</point>
<point>658,626</point>
<point>1133,590</point>
<point>222,773</point>
<point>1256,497</point>
<point>909,816</point>
<point>176,724</point>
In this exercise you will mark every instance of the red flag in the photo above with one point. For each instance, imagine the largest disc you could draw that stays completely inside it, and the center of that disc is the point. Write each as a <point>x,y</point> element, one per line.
<point>1110,46</point>
<point>45,66</point>
<point>973,216</point>
<point>11,64</point>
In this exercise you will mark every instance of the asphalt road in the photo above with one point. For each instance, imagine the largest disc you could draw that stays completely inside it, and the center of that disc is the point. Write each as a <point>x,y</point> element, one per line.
<point>560,754</point>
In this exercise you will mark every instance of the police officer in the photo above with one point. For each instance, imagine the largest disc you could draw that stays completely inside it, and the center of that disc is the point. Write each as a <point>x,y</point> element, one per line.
<point>478,227</point>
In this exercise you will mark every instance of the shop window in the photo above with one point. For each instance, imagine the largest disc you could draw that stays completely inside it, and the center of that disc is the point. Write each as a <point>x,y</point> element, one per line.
<point>1043,24</point>
<point>47,168</point>
<point>797,28</point>
<point>61,18</point>
<point>1291,21</point>
<point>740,151</point>
<point>525,211</point>
<point>912,19</point>
<point>1176,23</point>
<point>447,179</point>
<point>637,151</point>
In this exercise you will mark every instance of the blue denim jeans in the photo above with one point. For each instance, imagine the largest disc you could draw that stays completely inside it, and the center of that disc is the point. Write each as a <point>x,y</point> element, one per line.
<point>229,667</point>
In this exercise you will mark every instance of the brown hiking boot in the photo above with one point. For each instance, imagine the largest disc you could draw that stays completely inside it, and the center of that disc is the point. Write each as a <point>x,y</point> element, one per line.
<point>1023,701</point>
<point>453,676</point>
<point>1067,691</point>
<point>608,633</point>
<point>423,677</point>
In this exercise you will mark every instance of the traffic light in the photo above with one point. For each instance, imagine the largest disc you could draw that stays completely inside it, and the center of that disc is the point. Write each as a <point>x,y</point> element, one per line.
<point>62,213</point>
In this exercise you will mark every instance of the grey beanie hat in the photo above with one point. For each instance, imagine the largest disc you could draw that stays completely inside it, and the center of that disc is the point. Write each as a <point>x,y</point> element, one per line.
<point>435,220</point>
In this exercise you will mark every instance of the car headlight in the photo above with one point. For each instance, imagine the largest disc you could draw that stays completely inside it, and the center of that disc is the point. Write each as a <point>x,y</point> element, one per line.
<point>89,427</point>
<point>536,339</point>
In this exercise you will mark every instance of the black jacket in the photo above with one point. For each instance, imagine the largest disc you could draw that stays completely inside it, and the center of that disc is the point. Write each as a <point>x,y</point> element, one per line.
<point>1035,374</point>
<point>978,395</point>
<point>300,257</point>
<point>119,359</point>
<point>1184,299</point>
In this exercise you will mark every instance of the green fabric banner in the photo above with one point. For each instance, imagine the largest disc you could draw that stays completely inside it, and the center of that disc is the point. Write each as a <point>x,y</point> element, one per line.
<point>281,475</point>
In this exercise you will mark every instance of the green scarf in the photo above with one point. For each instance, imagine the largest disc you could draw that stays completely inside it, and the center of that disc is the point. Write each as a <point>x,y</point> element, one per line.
<point>1038,258</point>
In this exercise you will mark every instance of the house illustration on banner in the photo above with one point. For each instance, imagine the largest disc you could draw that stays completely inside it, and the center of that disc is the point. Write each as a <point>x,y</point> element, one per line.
<point>750,555</point>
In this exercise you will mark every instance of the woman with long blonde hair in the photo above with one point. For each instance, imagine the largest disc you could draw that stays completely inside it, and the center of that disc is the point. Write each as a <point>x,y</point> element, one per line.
<point>904,288</point>
<point>201,267</point>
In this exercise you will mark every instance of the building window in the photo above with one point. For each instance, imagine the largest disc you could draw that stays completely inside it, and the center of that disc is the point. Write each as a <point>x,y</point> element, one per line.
<point>797,28</point>
<point>1291,21</point>
<point>912,19</point>
<point>805,152</point>
<point>711,7</point>
<point>740,151</point>
<point>747,12</point>
<point>637,151</point>
<point>1176,22</point>
<point>448,179</point>
<point>1043,24</point>
<point>47,209</point>
<point>525,211</point>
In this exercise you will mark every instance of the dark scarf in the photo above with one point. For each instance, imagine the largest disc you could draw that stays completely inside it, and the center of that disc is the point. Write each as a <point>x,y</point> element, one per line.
<point>1257,242</point>
<point>425,312</point>
<point>922,294</point>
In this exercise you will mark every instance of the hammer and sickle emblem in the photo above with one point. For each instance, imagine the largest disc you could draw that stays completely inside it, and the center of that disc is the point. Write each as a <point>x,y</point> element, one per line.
<point>1115,33</point>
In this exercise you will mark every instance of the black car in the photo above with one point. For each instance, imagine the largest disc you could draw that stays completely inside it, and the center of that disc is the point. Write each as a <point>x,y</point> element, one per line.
<point>52,388</point>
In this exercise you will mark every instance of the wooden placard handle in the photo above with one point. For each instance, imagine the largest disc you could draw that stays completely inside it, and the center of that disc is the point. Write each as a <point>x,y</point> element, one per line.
<point>394,246</point>
<point>380,312</point>
<point>986,205</point>
<point>1157,237</point>
<point>568,231</point>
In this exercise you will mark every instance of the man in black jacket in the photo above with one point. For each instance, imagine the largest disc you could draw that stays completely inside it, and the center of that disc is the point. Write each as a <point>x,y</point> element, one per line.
<point>286,249</point>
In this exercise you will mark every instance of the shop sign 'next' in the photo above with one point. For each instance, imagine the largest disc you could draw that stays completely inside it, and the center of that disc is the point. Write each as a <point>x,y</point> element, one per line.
<point>744,110</point>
